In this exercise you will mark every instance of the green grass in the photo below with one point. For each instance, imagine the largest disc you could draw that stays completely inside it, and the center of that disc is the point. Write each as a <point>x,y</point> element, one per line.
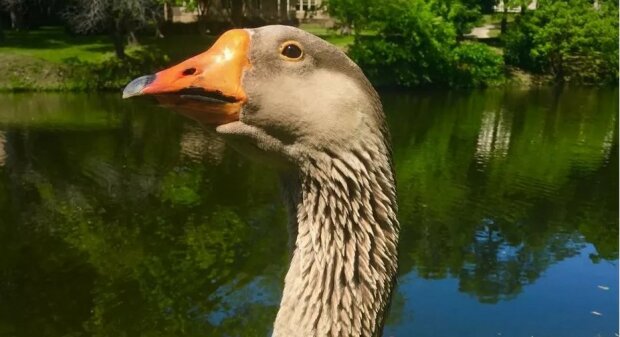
<point>329,35</point>
<point>316,29</point>
<point>54,45</point>
<point>52,59</point>
<point>496,18</point>
<point>493,33</point>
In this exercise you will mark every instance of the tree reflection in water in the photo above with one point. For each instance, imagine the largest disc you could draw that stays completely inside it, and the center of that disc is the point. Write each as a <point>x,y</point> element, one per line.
<point>121,219</point>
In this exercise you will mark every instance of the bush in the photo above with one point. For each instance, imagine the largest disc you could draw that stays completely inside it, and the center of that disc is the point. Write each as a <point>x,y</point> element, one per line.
<point>412,48</point>
<point>463,14</point>
<point>570,39</point>
<point>476,65</point>
<point>417,47</point>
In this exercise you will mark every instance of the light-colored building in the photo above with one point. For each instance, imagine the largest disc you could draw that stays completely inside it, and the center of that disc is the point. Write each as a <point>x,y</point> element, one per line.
<point>517,9</point>
<point>310,10</point>
<point>270,11</point>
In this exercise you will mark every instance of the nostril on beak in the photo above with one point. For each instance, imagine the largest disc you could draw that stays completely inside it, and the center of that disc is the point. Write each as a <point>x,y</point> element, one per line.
<point>189,71</point>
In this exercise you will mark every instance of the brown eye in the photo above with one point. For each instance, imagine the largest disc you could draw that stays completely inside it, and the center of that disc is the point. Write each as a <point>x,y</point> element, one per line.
<point>292,51</point>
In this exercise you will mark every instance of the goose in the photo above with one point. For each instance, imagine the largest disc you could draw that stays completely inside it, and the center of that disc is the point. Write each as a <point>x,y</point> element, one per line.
<point>285,97</point>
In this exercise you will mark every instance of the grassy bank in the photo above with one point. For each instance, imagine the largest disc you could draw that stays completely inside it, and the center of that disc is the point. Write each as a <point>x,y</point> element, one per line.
<point>51,59</point>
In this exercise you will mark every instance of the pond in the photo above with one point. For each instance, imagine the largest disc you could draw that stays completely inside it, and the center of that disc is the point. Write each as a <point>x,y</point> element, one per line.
<point>119,218</point>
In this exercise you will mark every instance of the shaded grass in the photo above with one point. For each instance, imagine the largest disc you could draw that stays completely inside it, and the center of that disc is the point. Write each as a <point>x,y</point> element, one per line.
<point>52,59</point>
<point>55,45</point>
<point>496,18</point>
<point>329,35</point>
<point>494,33</point>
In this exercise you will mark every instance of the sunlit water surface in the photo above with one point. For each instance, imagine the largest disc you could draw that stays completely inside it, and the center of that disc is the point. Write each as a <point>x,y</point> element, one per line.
<point>118,218</point>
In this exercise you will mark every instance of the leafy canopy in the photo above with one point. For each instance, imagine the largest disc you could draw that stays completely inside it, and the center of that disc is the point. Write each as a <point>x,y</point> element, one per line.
<point>415,44</point>
<point>573,40</point>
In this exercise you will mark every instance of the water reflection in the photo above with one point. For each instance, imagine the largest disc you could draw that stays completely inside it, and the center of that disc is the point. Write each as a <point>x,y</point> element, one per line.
<point>493,138</point>
<point>2,151</point>
<point>119,218</point>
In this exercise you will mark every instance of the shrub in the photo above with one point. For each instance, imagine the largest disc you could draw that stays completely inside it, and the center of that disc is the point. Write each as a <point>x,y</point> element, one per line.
<point>412,48</point>
<point>476,65</point>
<point>464,14</point>
<point>573,40</point>
<point>418,46</point>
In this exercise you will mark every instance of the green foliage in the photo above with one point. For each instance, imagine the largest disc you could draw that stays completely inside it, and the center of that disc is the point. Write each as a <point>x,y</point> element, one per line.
<point>120,18</point>
<point>113,73</point>
<point>51,59</point>
<point>486,6</point>
<point>463,14</point>
<point>412,48</point>
<point>418,46</point>
<point>572,40</point>
<point>476,65</point>
<point>180,187</point>
<point>353,14</point>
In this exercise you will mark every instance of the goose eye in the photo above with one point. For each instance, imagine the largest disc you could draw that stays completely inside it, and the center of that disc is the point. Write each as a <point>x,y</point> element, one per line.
<point>291,51</point>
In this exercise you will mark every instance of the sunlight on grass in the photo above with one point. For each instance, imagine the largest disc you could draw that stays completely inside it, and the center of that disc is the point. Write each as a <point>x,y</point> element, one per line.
<point>55,45</point>
<point>50,57</point>
<point>329,35</point>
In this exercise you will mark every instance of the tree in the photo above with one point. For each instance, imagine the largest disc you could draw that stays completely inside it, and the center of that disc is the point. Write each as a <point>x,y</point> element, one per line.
<point>351,14</point>
<point>203,13</point>
<point>411,48</point>
<point>571,40</point>
<point>16,9</point>
<point>119,18</point>
<point>510,4</point>
<point>462,13</point>
<point>416,44</point>
<point>487,6</point>
<point>200,6</point>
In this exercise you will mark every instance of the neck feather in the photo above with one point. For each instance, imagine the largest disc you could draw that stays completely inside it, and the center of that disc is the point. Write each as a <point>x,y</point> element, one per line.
<point>345,233</point>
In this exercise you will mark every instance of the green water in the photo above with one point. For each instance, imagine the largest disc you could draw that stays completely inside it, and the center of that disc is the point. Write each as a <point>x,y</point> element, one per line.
<point>118,218</point>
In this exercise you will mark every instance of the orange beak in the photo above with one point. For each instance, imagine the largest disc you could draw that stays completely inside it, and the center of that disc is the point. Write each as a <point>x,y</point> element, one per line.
<point>206,87</point>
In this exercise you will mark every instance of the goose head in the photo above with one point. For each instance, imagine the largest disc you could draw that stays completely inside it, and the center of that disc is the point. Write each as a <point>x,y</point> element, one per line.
<point>276,93</point>
<point>288,98</point>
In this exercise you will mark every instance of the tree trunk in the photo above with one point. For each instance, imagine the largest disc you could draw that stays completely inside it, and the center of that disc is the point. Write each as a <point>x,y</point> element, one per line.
<point>283,11</point>
<point>504,24</point>
<point>203,13</point>
<point>158,29</point>
<point>559,68</point>
<point>119,45</point>
<point>132,39</point>
<point>168,11</point>
<point>236,13</point>
<point>16,19</point>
